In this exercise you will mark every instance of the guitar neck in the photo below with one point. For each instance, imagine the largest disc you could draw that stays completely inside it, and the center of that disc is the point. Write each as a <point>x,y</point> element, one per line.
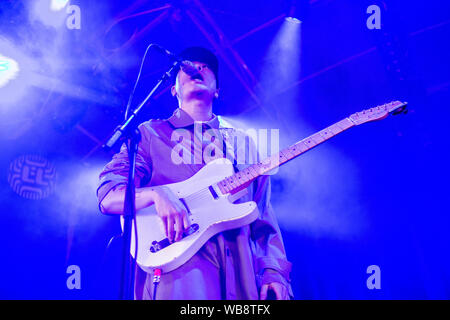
<point>244,177</point>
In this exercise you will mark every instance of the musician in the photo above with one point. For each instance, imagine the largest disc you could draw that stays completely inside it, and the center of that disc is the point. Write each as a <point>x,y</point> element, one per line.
<point>242,263</point>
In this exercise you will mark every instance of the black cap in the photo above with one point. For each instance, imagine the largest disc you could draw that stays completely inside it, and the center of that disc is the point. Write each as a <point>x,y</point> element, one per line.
<point>204,55</point>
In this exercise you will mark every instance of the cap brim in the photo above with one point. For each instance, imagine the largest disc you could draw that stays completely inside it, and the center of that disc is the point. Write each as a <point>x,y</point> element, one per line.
<point>204,55</point>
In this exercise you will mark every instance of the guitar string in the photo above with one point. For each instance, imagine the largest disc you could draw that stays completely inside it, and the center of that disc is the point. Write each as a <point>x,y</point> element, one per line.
<point>204,193</point>
<point>201,194</point>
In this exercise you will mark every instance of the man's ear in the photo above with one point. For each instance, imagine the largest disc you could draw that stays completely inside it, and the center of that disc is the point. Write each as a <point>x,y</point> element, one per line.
<point>216,94</point>
<point>173,91</point>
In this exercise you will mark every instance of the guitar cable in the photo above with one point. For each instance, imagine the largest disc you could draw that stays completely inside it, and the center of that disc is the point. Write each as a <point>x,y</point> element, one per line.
<point>156,280</point>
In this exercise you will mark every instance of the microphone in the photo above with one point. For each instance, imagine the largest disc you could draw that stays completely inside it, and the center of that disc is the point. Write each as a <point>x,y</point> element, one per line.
<point>187,66</point>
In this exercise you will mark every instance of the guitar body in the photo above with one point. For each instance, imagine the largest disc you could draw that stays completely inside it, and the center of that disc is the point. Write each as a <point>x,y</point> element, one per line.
<point>210,212</point>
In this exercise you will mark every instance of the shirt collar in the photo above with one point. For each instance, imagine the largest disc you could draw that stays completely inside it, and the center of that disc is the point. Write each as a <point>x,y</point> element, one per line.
<point>180,119</point>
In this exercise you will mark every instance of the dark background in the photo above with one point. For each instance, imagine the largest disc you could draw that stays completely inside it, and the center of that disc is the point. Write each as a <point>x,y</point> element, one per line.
<point>374,195</point>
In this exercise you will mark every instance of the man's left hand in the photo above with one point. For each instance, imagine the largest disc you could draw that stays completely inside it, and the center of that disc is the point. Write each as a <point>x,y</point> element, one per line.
<point>280,291</point>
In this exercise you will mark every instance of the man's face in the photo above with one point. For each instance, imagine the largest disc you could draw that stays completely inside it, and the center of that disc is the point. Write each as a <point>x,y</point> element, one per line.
<point>201,86</point>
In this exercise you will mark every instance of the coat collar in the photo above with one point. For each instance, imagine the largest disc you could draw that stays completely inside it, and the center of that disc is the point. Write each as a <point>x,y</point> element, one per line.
<point>181,119</point>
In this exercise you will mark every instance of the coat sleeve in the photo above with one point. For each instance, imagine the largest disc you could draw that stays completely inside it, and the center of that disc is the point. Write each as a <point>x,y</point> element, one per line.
<point>115,173</point>
<point>271,264</point>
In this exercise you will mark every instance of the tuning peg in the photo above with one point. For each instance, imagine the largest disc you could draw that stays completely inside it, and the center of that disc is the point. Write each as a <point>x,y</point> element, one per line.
<point>400,110</point>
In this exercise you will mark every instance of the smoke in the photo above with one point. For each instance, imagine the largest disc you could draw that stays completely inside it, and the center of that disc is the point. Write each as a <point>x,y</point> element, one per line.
<point>317,194</point>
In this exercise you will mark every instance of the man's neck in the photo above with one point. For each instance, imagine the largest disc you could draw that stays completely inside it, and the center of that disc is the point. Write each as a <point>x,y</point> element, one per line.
<point>198,110</point>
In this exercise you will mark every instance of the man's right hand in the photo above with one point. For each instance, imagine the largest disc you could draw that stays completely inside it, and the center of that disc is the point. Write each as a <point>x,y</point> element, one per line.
<point>171,211</point>
<point>168,207</point>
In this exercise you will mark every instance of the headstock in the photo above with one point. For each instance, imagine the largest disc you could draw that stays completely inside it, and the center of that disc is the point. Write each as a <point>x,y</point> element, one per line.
<point>379,112</point>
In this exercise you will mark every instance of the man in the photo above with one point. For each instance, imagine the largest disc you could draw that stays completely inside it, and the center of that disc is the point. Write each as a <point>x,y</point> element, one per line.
<point>243,263</point>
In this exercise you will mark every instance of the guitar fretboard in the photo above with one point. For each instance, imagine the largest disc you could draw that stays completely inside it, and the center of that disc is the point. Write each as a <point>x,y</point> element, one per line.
<point>244,177</point>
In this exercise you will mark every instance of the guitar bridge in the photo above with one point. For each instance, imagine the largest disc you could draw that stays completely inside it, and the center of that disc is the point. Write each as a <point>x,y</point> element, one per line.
<point>158,245</point>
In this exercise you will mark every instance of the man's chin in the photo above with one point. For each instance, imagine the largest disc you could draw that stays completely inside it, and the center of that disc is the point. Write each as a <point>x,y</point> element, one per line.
<point>200,92</point>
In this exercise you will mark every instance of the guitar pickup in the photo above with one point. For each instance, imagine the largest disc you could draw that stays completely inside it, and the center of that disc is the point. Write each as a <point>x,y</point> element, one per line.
<point>213,192</point>
<point>185,205</point>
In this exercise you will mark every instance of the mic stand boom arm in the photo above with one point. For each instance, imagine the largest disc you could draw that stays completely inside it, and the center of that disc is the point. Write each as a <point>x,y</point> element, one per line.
<point>128,130</point>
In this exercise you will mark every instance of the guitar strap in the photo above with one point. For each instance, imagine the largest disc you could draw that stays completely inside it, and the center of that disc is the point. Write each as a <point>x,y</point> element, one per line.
<point>224,132</point>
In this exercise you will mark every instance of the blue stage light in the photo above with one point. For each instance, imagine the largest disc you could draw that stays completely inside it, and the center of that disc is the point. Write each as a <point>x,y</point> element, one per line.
<point>297,11</point>
<point>57,5</point>
<point>292,20</point>
<point>9,70</point>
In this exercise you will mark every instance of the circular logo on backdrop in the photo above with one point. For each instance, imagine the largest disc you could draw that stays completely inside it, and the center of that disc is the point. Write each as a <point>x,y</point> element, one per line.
<point>32,177</point>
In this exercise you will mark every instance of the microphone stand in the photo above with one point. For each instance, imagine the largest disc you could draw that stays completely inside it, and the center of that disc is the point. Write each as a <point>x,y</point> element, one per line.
<point>129,131</point>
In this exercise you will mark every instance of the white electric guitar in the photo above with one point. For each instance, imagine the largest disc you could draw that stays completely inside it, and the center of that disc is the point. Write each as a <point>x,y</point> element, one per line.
<point>209,198</point>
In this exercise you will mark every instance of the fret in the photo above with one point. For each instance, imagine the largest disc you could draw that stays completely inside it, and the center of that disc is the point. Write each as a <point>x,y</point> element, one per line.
<point>248,173</point>
<point>253,171</point>
<point>236,179</point>
<point>340,126</point>
<point>229,186</point>
<point>335,129</point>
<point>326,134</point>
<point>295,150</point>
<point>236,182</point>
<point>278,158</point>
<point>309,143</point>
<point>348,123</point>
<point>301,146</point>
<point>242,178</point>
<point>265,166</point>
<point>259,168</point>
<point>233,182</point>
<point>317,138</point>
<point>281,157</point>
<point>344,124</point>
<point>268,162</point>
<point>288,153</point>
<point>222,190</point>
<point>223,186</point>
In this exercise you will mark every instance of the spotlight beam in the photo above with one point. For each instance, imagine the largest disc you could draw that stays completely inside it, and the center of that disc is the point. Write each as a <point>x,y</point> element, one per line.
<point>241,64</point>
<point>267,107</point>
